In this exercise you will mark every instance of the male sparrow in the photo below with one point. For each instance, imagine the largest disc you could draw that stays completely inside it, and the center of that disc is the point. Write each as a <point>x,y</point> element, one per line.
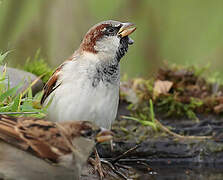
<point>67,144</point>
<point>86,86</point>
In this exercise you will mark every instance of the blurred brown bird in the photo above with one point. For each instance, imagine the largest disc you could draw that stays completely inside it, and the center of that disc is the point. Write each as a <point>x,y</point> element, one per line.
<point>67,144</point>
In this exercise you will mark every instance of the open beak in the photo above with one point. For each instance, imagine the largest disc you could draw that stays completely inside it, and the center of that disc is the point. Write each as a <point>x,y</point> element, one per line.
<point>126,29</point>
<point>104,135</point>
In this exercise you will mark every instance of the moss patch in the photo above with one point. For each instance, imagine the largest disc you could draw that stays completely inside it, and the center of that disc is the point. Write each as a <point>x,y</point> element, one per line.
<point>176,92</point>
<point>38,66</point>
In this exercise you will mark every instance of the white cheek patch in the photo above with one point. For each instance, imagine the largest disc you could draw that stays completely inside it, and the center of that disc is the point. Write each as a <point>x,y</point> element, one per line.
<point>108,44</point>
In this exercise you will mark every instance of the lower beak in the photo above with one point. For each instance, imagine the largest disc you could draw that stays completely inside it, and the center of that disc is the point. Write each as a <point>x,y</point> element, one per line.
<point>104,135</point>
<point>126,29</point>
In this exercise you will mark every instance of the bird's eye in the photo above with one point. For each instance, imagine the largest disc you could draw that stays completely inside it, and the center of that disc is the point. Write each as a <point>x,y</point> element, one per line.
<point>111,30</point>
<point>87,133</point>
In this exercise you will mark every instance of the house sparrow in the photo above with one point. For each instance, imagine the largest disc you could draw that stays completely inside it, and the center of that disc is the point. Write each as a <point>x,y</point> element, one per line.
<point>86,86</point>
<point>66,144</point>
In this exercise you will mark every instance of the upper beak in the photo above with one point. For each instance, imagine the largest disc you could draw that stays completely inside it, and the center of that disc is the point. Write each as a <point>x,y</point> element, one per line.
<point>126,29</point>
<point>104,135</point>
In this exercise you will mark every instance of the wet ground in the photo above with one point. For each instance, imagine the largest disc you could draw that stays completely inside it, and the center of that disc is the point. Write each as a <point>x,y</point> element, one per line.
<point>162,157</point>
<point>179,172</point>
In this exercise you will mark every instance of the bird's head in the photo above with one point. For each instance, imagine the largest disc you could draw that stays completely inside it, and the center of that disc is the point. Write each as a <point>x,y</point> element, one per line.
<point>108,39</point>
<point>87,130</point>
<point>93,132</point>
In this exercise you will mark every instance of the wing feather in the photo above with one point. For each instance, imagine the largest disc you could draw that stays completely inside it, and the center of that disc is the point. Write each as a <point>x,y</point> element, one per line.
<point>38,136</point>
<point>52,84</point>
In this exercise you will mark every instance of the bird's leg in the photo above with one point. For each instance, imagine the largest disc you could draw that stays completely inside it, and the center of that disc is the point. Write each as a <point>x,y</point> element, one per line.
<point>97,164</point>
<point>111,144</point>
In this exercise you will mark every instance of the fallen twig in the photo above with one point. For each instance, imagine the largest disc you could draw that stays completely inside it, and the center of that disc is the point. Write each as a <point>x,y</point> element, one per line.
<point>124,154</point>
<point>109,164</point>
<point>166,130</point>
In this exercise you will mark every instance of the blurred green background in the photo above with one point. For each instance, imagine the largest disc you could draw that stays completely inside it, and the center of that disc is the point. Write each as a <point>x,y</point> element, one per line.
<point>178,31</point>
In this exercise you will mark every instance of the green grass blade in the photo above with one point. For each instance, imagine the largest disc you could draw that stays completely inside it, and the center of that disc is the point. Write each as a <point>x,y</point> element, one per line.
<point>16,103</point>
<point>10,92</point>
<point>3,56</point>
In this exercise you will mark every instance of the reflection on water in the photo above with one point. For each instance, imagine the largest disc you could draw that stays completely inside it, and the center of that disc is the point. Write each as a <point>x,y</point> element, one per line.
<point>182,173</point>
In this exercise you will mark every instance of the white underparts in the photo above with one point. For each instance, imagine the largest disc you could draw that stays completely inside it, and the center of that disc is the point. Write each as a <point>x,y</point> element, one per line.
<point>77,99</point>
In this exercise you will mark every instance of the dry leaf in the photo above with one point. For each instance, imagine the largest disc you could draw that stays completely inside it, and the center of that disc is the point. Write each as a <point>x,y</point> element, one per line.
<point>161,87</point>
<point>218,109</point>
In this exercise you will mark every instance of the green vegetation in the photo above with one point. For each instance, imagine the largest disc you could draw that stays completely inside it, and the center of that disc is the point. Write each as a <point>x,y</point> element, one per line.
<point>38,66</point>
<point>176,92</point>
<point>157,126</point>
<point>173,107</point>
<point>146,119</point>
<point>3,56</point>
<point>21,103</point>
